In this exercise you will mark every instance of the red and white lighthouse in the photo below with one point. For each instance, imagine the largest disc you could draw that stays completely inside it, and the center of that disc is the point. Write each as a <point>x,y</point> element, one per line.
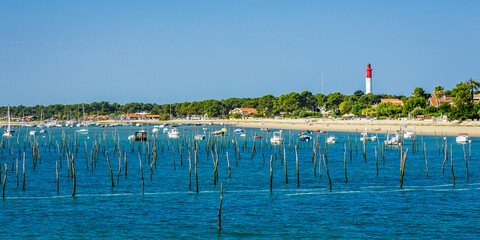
<point>368,80</point>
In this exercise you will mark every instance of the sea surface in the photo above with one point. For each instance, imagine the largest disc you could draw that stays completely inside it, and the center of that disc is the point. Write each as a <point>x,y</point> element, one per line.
<point>367,206</point>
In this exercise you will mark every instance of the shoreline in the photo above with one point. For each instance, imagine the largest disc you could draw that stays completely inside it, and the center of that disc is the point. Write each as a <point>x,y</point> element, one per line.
<point>373,126</point>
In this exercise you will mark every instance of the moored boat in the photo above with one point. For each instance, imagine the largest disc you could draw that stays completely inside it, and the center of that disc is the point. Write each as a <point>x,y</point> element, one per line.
<point>218,133</point>
<point>277,138</point>
<point>238,130</point>
<point>332,139</point>
<point>173,133</point>
<point>199,137</point>
<point>463,138</point>
<point>305,138</point>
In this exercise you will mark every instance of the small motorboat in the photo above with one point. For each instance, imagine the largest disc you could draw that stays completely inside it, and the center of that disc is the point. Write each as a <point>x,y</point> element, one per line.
<point>218,133</point>
<point>277,138</point>
<point>199,137</point>
<point>409,135</point>
<point>238,130</point>
<point>173,133</point>
<point>463,138</point>
<point>332,139</point>
<point>42,131</point>
<point>367,138</point>
<point>395,140</point>
<point>265,129</point>
<point>224,130</point>
<point>82,131</point>
<point>32,133</point>
<point>257,137</point>
<point>305,138</point>
<point>155,130</point>
<point>140,136</point>
<point>243,135</point>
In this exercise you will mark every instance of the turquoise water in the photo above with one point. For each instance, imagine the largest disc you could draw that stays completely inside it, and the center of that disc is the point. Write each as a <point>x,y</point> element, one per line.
<point>367,206</point>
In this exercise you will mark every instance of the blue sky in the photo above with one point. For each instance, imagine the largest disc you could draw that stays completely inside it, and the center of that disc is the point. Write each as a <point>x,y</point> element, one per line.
<point>174,51</point>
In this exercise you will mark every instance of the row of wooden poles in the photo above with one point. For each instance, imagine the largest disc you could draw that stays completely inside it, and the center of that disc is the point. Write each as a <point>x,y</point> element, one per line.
<point>68,148</point>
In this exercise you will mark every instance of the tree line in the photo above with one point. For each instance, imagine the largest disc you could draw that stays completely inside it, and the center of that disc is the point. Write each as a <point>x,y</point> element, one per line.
<point>304,104</point>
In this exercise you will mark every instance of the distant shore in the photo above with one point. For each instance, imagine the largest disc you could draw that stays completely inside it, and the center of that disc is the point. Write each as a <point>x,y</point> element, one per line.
<point>380,126</point>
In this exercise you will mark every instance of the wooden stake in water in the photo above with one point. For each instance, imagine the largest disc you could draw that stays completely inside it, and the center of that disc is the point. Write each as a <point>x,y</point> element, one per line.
<point>345,162</point>
<point>326,169</point>
<point>451,165</point>
<point>111,172</point>
<point>376,160</point>
<point>4,181</point>
<point>271,172</point>
<point>195,166</point>
<point>74,178</point>
<point>425,156</point>
<point>125,162</point>
<point>16,170</point>
<point>466,163</point>
<point>141,173</point>
<point>189,171</point>
<point>56,168</point>
<point>220,210</point>
<point>285,164</point>
<point>314,158</point>
<point>228,162</point>
<point>445,157</point>
<point>23,184</point>
<point>296,162</point>
<point>403,159</point>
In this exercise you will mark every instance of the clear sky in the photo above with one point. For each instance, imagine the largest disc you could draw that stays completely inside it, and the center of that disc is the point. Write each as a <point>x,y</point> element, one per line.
<point>174,51</point>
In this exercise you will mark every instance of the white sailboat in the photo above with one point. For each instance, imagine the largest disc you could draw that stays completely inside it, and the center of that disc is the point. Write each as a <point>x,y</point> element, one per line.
<point>84,130</point>
<point>365,136</point>
<point>8,131</point>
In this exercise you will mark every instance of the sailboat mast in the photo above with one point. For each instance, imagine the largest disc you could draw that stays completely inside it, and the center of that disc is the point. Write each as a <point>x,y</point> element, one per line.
<point>8,129</point>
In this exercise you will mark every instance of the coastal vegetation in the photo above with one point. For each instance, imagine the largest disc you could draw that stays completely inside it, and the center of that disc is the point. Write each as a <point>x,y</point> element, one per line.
<point>457,103</point>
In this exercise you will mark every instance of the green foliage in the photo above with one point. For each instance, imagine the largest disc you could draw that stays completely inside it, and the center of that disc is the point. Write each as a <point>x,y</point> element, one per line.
<point>430,110</point>
<point>334,100</point>
<point>304,104</point>
<point>358,93</point>
<point>419,92</point>
<point>414,102</point>
<point>358,107</point>
<point>445,108</point>
<point>345,107</point>
<point>415,112</point>
<point>464,111</point>
<point>388,109</point>
<point>461,94</point>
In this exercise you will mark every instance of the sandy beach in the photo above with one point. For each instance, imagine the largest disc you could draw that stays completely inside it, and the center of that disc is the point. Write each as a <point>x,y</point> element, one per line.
<point>381,126</point>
